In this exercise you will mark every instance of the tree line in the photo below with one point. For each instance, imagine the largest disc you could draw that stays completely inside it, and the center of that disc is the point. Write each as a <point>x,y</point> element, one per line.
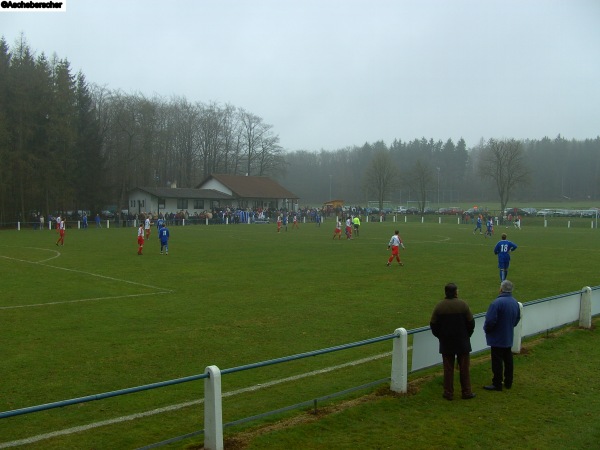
<point>68,145</point>
<point>425,172</point>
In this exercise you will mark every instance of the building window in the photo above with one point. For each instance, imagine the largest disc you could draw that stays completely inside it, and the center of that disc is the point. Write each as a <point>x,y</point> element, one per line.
<point>161,203</point>
<point>182,203</point>
<point>198,204</point>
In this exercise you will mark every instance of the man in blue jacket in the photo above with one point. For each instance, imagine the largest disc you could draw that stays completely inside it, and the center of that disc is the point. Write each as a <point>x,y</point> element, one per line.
<point>501,318</point>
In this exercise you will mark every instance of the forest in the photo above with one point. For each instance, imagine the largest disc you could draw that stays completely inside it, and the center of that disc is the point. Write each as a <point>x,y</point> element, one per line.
<point>67,144</point>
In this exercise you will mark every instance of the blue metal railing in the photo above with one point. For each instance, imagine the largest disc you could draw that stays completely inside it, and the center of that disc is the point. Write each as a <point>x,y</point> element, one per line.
<point>110,394</point>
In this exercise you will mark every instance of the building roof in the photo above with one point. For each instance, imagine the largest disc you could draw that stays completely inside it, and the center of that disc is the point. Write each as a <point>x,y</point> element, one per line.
<point>251,187</point>
<point>209,194</point>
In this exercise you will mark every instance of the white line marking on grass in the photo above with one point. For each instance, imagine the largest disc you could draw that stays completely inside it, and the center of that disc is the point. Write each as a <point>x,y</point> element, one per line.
<point>68,431</point>
<point>106,277</point>
<point>84,300</point>
<point>43,263</point>
<point>56,255</point>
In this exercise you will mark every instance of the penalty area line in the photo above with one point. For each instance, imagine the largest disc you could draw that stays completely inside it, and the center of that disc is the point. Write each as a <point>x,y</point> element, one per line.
<point>91,274</point>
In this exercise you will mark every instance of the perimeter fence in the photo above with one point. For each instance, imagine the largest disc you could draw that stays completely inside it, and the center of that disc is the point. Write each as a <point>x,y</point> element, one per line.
<point>417,345</point>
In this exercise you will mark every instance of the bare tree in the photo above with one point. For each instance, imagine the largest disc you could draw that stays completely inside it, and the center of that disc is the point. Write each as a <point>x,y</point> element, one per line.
<point>421,180</point>
<point>253,130</point>
<point>503,161</point>
<point>382,176</point>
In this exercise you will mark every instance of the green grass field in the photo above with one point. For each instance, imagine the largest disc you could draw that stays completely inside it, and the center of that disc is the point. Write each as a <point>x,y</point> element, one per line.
<point>93,317</point>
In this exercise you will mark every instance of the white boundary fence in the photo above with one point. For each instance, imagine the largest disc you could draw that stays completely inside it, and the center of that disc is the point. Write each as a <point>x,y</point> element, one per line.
<point>536,317</point>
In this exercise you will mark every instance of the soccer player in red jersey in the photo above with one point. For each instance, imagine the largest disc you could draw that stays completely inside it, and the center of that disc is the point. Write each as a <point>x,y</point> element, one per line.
<point>395,244</point>
<point>140,238</point>
<point>61,232</point>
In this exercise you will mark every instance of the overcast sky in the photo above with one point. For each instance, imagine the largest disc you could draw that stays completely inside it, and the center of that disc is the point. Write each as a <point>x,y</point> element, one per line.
<point>328,74</point>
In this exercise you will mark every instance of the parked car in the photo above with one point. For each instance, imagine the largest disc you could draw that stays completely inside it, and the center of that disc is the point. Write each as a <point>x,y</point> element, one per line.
<point>516,212</point>
<point>545,212</point>
<point>588,212</point>
<point>402,209</point>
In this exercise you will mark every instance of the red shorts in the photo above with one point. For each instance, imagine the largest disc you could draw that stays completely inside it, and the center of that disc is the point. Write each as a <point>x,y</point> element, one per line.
<point>395,250</point>
<point>140,240</point>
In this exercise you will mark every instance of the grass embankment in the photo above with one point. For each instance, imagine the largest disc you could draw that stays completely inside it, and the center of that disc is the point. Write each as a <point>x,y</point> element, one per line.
<point>554,404</point>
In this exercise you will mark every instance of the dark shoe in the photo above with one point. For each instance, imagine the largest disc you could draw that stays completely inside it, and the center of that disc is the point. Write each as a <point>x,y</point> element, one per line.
<point>447,397</point>
<point>469,396</point>
<point>491,387</point>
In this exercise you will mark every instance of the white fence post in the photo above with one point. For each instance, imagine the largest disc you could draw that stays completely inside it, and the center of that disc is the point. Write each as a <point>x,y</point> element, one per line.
<point>213,410</point>
<point>585,308</point>
<point>108,224</point>
<point>399,377</point>
<point>518,332</point>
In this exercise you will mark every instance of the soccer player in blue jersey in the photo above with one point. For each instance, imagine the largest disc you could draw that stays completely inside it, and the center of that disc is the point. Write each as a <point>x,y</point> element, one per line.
<point>163,235</point>
<point>160,223</point>
<point>503,249</point>
<point>489,227</point>
<point>478,225</point>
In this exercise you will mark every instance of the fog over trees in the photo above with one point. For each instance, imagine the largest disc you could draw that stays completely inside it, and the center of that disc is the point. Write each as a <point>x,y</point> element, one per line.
<point>66,144</point>
<point>557,170</point>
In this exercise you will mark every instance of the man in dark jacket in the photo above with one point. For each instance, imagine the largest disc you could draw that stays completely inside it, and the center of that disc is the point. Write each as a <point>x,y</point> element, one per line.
<point>453,324</point>
<point>501,318</point>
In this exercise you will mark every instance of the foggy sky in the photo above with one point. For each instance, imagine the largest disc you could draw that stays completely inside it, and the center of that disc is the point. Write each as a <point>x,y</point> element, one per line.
<point>334,73</point>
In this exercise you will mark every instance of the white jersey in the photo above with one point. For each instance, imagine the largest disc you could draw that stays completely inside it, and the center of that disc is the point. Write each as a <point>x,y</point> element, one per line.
<point>395,241</point>
<point>147,224</point>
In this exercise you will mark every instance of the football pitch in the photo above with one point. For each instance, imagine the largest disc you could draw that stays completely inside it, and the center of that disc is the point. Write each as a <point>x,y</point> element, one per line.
<point>92,316</point>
